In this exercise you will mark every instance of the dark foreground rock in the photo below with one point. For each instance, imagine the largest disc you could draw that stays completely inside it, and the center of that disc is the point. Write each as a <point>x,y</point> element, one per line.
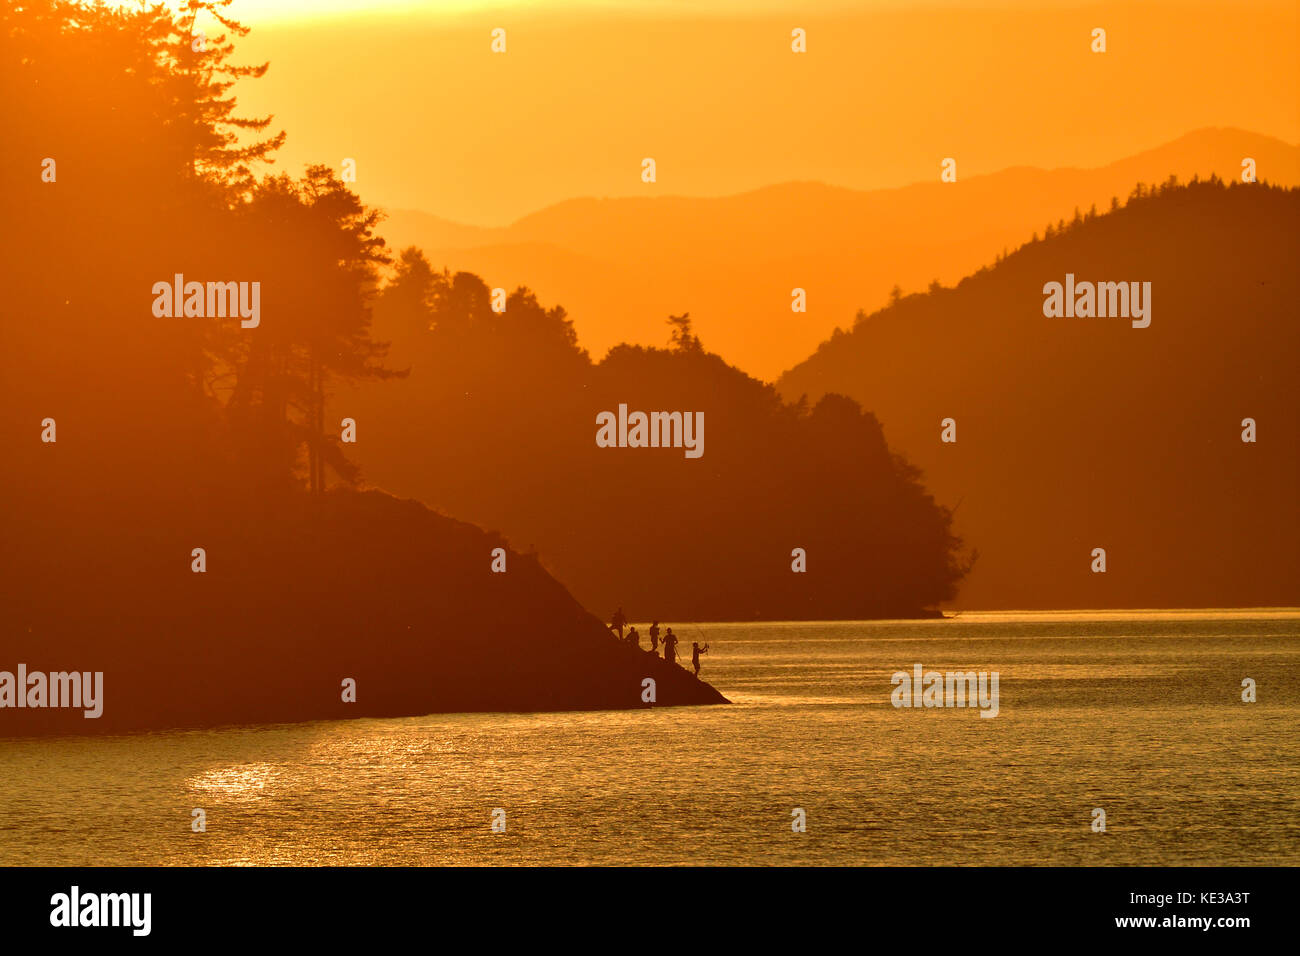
<point>298,599</point>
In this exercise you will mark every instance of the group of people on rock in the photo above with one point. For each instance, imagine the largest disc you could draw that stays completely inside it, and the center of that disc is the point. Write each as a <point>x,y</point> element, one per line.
<point>670,641</point>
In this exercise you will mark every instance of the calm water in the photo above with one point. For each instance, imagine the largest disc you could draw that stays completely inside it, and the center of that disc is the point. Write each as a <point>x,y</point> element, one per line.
<point>1139,714</point>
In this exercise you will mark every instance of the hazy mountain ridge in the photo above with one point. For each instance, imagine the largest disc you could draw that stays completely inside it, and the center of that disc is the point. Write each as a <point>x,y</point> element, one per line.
<point>620,265</point>
<point>1194,516</point>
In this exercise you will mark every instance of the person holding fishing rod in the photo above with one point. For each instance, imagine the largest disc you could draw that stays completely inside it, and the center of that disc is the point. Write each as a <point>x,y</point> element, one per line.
<point>696,651</point>
<point>670,646</point>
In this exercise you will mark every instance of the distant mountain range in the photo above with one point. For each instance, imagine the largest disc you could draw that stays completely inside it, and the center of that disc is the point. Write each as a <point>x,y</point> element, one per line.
<point>1079,433</point>
<point>621,266</point>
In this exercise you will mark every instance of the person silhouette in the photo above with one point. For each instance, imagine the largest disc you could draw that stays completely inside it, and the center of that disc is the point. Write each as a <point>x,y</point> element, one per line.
<point>634,638</point>
<point>654,638</point>
<point>670,646</point>
<point>617,622</point>
<point>696,651</point>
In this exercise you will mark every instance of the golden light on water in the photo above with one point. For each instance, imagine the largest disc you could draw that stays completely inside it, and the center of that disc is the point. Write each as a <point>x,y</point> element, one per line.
<point>244,781</point>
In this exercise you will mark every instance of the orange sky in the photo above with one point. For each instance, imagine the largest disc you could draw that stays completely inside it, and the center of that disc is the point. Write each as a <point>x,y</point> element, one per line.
<point>438,122</point>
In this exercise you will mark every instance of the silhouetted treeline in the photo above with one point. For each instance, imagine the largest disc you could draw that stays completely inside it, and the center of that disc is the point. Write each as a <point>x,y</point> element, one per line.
<point>139,447</point>
<point>497,423</point>
<point>125,163</point>
<point>1080,433</point>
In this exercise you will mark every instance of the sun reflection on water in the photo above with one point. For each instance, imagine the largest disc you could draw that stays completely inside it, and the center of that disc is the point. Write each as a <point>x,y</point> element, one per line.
<point>247,781</point>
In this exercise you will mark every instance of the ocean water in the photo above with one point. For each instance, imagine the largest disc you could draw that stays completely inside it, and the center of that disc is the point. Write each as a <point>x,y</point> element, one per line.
<point>1137,713</point>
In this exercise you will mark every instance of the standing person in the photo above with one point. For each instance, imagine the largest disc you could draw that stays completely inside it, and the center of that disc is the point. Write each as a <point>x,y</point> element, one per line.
<point>634,638</point>
<point>617,622</point>
<point>670,646</point>
<point>696,651</point>
<point>654,638</point>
